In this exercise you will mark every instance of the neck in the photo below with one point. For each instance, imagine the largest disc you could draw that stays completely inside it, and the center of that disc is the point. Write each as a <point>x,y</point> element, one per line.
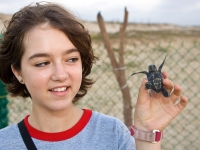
<point>54,121</point>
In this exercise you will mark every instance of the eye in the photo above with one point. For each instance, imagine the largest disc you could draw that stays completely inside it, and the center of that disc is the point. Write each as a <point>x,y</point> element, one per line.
<point>42,64</point>
<point>72,60</point>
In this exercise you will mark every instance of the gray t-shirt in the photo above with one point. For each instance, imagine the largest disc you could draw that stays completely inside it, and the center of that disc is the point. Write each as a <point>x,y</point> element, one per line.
<point>100,132</point>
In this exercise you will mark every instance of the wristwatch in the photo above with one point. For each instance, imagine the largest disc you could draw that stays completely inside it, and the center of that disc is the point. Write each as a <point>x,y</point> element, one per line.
<point>153,137</point>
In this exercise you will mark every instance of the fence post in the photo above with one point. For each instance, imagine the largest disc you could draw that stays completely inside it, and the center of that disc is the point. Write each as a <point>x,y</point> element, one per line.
<point>3,106</point>
<point>118,67</point>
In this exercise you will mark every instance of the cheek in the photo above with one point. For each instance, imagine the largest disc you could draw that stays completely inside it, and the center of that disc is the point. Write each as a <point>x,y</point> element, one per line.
<point>79,75</point>
<point>76,74</point>
<point>35,79</point>
<point>33,84</point>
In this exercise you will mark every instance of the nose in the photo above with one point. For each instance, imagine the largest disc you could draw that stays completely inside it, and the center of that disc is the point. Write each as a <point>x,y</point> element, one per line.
<point>59,73</point>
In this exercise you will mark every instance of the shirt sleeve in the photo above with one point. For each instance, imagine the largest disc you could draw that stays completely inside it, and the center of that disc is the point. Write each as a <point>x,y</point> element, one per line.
<point>125,140</point>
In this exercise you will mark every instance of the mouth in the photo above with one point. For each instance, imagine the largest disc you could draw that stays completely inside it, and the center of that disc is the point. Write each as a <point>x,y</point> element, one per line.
<point>60,89</point>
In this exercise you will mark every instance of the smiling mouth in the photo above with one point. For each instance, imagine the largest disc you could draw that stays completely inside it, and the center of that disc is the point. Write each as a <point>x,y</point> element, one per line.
<point>59,89</point>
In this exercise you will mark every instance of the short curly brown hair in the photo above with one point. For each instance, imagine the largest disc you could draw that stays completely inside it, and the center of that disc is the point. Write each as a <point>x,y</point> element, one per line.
<point>11,48</point>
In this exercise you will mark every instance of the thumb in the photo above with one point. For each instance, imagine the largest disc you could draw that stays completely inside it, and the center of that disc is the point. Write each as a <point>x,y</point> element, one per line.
<point>143,94</point>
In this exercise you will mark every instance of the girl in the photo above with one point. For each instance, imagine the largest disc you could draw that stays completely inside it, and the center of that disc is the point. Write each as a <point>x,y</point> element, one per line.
<point>46,55</point>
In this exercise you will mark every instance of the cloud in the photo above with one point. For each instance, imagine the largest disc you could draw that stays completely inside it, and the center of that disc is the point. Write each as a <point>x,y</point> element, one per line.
<point>180,12</point>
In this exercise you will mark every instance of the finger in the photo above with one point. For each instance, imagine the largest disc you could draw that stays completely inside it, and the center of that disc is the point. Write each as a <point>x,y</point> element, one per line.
<point>154,94</point>
<point>176,93</point>
<point>183,103</point>
<point>168,84</point>
<point>164,75</point>
<point>143,93</point>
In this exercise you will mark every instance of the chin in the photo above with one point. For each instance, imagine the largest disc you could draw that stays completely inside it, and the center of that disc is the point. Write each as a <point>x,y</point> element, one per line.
<point>60,106</point>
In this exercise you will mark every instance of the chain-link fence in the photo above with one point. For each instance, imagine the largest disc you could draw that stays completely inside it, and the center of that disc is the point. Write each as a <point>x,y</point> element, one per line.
<point>182,65</point>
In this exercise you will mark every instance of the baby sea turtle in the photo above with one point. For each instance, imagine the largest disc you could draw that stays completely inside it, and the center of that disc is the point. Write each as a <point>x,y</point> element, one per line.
<point>154,78</point>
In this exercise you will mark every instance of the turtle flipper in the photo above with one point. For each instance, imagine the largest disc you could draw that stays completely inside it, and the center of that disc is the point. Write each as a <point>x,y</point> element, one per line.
<point>160,68</point>
<point>165,93</point>
<point>145,72</point>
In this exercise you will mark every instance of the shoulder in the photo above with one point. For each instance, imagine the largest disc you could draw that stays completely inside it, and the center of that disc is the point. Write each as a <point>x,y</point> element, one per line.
<point>107,127</point>
<point>106,120</point>
<point>10,137</point>
<point>106,123</point>
<point>8,131</point>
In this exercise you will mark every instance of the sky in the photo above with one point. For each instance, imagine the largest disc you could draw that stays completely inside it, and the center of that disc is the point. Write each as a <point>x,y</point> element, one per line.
<point>176,12</point>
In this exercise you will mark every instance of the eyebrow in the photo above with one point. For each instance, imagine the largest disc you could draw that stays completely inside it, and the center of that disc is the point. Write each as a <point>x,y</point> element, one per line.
<point>48,55</point>
<point>71,51</point>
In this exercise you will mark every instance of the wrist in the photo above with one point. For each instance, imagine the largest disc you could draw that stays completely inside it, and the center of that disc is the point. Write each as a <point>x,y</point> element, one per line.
<point>147,126</point>
<point>143,145</point>
<point>153,136</point>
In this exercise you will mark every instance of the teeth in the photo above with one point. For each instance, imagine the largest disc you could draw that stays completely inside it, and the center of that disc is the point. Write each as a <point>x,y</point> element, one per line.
<point>60,89</point>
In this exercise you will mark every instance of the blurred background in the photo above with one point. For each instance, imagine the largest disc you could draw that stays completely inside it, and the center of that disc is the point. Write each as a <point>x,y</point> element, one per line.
<point>179,12</point>
<point>155,28</point>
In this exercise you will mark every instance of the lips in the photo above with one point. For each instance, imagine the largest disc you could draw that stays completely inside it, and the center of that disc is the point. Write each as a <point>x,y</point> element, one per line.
<point>59,89</point>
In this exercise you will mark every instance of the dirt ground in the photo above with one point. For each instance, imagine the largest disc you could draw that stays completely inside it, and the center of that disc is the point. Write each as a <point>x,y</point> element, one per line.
<point>132,28</point>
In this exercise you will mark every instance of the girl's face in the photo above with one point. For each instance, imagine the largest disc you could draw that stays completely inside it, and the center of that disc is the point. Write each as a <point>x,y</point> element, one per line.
<point>51,68</point>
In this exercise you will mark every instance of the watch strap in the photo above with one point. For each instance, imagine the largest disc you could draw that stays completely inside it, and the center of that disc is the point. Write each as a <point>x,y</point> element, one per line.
<point>153,137</point>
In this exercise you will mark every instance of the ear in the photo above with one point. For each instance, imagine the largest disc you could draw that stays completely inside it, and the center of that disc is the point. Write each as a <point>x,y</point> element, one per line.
<point>17,74</point>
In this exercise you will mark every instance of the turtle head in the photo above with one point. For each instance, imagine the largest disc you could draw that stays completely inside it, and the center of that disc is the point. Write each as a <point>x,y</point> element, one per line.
<point>152,68</point>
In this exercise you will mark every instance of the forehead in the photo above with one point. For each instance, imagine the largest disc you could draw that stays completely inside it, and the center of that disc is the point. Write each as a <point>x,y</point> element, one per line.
<point>36,31</point>
<point>45,38</point>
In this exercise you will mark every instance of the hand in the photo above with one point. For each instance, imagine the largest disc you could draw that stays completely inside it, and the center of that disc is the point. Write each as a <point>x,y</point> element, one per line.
<point>153,110</point>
